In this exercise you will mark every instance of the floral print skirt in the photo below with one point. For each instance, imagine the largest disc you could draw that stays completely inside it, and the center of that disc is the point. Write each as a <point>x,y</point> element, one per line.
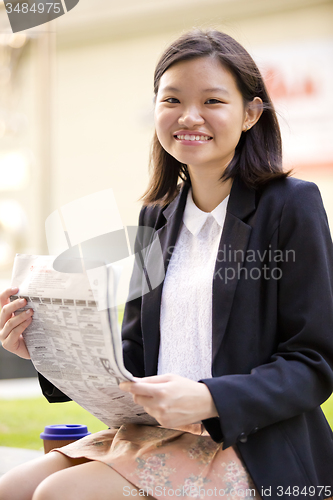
<point>167,463</point>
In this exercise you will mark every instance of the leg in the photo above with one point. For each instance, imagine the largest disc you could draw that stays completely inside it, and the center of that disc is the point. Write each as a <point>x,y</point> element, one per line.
<point>90,481</point>
<point>21,482</point>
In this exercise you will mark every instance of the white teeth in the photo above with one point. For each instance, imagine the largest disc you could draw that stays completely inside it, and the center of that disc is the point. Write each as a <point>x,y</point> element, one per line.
<point>193,137</point>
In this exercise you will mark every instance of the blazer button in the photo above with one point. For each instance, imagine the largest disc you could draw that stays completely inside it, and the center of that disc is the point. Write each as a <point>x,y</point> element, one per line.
<point>255,430</point>
<point>242,437</point>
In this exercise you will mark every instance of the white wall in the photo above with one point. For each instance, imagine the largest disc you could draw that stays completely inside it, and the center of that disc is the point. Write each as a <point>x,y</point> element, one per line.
<point>104,102</point>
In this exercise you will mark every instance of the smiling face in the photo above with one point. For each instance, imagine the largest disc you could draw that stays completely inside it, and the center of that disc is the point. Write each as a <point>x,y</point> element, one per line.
<point>200,113</point>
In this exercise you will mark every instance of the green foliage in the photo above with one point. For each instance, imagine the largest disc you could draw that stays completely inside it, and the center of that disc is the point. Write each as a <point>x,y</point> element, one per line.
<point>22,421</point>
<point>327,408</point>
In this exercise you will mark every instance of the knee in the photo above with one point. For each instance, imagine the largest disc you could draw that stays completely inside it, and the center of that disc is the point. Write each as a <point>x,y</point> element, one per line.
<point>6,489</point>
<point>46,491</point>
<point>12,487</point>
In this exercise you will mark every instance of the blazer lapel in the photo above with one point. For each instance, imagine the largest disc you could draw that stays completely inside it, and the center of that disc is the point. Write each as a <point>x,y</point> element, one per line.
<point>166,237</point>
<point>231,254</point>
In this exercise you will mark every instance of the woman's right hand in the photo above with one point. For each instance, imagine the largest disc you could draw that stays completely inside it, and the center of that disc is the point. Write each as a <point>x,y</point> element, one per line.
<point>11,326</point>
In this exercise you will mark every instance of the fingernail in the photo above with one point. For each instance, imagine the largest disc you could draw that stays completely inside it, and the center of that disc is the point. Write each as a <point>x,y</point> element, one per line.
<point>22,301</point>
<point>29,311</point>
<point>14,289</point>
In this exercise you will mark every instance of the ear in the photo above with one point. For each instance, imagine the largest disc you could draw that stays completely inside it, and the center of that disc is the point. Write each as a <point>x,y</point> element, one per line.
<point>253,111</point>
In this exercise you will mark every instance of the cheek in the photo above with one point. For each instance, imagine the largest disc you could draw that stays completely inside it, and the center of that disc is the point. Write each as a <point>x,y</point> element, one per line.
<point>230,124</point>
<point>163,123</point>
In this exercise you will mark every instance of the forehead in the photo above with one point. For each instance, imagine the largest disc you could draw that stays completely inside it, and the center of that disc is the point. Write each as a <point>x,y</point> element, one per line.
<point>202,73</point>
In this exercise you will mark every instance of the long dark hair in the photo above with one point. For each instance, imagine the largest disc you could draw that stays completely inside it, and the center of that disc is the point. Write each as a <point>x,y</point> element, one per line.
<point>258,155</point>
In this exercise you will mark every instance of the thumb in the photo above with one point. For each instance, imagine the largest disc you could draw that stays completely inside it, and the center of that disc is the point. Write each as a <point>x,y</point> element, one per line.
<point>157,379</point>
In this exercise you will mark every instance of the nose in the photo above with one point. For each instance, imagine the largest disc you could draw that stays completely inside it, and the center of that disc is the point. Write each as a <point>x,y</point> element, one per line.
<point>191,117</point>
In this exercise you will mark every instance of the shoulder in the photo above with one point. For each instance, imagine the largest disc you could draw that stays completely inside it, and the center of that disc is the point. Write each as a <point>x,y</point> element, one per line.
<point>297,211</point>
<point>289,188</point>
<point>150,215</point>
<point>289,205</point>
<point>153,215</point>
<point>291,194</point>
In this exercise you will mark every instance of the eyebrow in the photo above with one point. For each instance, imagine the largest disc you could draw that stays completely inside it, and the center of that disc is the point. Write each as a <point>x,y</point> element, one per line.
<point>217,89</point>
<point>169,88</point>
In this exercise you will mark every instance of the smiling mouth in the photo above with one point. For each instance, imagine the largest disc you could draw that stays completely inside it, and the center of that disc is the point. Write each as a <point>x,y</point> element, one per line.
<point>193,137</point>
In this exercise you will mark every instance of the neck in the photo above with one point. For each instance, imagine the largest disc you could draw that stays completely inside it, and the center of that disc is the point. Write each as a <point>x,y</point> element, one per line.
<point>208,191</point>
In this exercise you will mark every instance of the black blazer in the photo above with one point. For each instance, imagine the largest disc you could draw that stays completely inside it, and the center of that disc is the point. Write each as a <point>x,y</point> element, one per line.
<point>272,329</point>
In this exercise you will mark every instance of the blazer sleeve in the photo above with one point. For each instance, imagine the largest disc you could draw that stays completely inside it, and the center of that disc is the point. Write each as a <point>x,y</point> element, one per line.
<point>52,393</point>
<point>131,326</point>
<point>299,375</point>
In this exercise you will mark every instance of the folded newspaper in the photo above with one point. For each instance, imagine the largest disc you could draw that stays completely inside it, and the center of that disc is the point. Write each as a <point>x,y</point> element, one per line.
<point>74,339</point>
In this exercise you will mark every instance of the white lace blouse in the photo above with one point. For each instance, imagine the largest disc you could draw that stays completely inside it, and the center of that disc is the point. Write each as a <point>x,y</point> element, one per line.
<point>186,306</point>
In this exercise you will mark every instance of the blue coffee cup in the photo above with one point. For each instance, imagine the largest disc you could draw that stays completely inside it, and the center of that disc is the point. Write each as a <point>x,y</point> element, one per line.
<point>56,436</point>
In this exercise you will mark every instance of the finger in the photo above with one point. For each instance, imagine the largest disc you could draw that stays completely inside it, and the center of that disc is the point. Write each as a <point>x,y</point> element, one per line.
<point>150,390</point>
<point>14,322</point>
<point>9,309</point>
<point>148,403</point>
<point>137,385</point>
<point>15,342</point>
<point>156,379</point>
<point>4,296</point>
<point>153,408</point>
<point>132,388</point>
<point>125,386</point>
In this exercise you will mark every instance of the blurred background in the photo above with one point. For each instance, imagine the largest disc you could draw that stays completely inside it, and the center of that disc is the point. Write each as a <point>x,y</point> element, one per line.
<point>76,104</point>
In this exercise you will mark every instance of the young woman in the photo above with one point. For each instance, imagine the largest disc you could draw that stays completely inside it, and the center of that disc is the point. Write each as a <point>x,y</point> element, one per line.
<point>235,347</point>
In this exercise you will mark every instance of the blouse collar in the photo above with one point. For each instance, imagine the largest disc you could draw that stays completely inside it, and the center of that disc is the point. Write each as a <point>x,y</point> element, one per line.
<point>194,218</point>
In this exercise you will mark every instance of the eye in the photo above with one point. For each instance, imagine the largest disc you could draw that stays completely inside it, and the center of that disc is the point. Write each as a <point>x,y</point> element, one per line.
<point>171,100</point>
<point>214,101</point>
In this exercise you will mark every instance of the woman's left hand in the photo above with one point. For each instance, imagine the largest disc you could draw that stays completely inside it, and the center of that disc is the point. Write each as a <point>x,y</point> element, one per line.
<point>172,400</point>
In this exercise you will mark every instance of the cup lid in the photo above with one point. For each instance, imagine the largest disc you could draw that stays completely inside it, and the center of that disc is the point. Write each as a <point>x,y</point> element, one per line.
<point>70,431</point>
